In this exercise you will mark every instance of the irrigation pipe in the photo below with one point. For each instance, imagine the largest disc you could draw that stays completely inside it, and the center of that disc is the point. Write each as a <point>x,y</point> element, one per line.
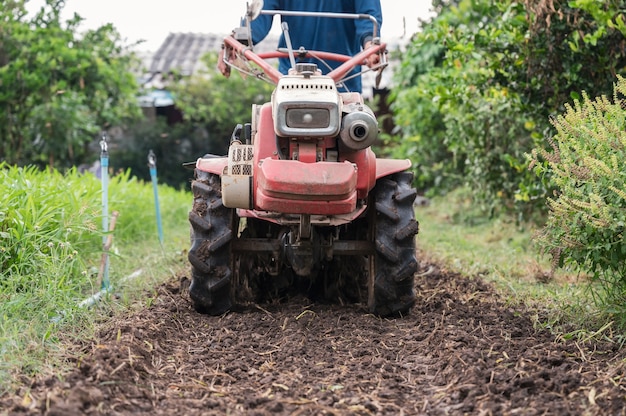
<point>104,177</point>
<point>90,301</point>
<point>153,175</point>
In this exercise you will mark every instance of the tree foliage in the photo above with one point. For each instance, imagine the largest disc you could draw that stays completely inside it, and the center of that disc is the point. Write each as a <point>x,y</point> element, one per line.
<point>478,85</point>
<point>571,46</point>
<point>173,146</point>
<point>219,103</point>
<point>58,89</point>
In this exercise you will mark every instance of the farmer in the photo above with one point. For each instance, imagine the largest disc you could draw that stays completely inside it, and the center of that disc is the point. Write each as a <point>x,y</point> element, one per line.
<point>342,36</point>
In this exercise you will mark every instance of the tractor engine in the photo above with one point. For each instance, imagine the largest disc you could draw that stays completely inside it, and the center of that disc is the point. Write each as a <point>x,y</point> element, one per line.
<point>312,122</point>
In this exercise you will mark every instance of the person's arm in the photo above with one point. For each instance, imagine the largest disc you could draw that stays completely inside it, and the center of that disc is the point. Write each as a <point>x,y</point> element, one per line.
<point>365,28</point>
<point>260,27</point>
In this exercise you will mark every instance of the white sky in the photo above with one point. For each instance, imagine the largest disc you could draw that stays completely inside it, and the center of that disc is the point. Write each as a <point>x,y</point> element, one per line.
<point>153,20</point>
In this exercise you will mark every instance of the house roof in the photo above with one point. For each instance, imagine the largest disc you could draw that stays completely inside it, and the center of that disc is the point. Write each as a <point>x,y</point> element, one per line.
<point>182,51</point>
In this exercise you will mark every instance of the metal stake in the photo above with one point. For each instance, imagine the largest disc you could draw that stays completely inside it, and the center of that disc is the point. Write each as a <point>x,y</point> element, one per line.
<point>153,175</point>
<point>104,177</point>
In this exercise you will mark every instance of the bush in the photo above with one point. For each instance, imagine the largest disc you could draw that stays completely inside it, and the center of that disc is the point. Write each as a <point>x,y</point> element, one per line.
<point>461,111</point>
<point>479,84</point>
<point>418,116</point>
<point>587,215</point>
<point>173,146</point>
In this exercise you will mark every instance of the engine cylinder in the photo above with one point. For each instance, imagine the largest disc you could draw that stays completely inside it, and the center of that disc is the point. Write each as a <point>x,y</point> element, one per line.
<point>359,128</point>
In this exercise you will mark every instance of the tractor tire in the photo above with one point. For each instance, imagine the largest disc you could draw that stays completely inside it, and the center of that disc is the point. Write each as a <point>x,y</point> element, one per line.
<point>393,228</point>
<point>212,226</point>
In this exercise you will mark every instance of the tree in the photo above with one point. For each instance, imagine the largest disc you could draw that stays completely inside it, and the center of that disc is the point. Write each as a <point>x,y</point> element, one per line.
<point>496,74</point>
<point>219,103</point>
<point>58,88</point>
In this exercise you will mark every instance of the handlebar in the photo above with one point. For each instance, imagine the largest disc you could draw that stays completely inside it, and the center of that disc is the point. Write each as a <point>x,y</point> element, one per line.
<point>337,74</point>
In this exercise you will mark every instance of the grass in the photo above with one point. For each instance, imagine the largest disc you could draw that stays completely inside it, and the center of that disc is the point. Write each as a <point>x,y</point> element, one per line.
<point>501,251</point>
<point>50,254</point>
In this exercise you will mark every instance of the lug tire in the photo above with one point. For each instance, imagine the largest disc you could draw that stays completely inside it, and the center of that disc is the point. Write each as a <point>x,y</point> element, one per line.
<point>210,255</point>
<point>393,228</point>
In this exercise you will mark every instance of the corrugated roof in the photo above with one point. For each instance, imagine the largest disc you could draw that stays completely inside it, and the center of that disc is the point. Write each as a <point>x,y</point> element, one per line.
<point>182,51</point>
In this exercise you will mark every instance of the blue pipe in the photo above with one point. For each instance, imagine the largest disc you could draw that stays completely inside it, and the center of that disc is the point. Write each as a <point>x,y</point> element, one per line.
<point>104,177</point>
<point>153,175</point>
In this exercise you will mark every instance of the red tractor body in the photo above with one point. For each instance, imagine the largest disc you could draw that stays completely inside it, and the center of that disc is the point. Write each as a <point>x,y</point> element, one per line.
<point>301,200</point>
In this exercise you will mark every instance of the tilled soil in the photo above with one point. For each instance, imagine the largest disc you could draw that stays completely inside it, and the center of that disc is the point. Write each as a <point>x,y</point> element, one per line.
<point>462,350</point>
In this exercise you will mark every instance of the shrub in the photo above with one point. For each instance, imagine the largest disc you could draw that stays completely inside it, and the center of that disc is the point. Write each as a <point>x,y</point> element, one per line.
<point>479,84</point>
<point>587,215</point>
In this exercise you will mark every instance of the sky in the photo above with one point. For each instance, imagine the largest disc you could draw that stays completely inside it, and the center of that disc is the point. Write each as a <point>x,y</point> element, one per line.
<point>153,20</point>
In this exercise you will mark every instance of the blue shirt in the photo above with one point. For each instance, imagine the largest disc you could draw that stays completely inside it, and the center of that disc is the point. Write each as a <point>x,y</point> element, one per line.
<point>343,36</point>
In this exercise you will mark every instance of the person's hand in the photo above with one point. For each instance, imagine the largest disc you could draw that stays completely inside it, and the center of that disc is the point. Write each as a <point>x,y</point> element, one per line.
<point>373,59</point>
<point>221,65</point>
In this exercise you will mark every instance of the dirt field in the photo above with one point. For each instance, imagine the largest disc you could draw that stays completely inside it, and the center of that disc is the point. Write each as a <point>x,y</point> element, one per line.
<point>461,351</point>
